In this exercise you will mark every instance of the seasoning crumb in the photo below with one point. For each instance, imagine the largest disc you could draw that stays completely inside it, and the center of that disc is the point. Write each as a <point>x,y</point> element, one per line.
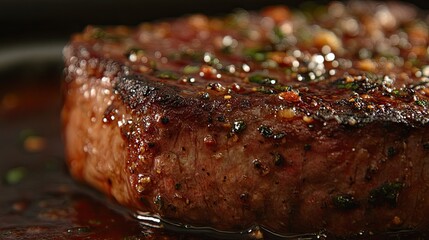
<point>286,113</point>
<point>396,220</point>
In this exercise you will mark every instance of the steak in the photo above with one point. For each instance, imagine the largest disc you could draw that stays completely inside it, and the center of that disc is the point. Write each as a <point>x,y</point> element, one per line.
<point>295,121</point>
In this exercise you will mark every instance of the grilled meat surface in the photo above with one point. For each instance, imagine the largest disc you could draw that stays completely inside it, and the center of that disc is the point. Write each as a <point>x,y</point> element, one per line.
<point>296,121</point>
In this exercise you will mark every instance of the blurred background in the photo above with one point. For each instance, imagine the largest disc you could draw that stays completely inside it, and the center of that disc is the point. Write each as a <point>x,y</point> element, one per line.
<point>33,32</point>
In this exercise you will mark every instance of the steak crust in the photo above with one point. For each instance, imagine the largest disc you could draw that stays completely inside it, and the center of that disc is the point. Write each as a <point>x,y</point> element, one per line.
<point>295,122</point>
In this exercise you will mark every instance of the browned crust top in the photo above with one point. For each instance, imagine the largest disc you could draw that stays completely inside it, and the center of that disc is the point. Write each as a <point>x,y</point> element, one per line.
<point>345,65</point>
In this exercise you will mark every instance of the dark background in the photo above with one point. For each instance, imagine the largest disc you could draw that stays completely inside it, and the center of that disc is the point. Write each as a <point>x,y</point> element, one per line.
<point>54,18</point>
<point>33,32</point>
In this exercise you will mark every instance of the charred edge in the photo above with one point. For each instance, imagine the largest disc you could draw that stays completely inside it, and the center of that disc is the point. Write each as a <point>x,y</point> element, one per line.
<point>137,91</point>
<point>350,117</point>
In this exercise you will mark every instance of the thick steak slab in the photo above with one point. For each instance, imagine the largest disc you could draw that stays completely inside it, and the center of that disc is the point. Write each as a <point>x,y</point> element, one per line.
<point>299,122</point>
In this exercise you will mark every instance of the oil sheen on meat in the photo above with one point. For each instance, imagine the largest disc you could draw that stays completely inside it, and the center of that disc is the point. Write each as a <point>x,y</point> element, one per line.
<point>295,121</point>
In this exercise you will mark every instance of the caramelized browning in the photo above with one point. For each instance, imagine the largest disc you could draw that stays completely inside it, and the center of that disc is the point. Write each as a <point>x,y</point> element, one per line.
<point>298,122</point>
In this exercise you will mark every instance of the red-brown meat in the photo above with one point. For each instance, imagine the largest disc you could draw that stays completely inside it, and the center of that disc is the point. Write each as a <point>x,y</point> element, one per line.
<point>296,122</point>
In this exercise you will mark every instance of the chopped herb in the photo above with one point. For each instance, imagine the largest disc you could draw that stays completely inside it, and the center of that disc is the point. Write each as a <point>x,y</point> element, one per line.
<point>396,92</point>
<point>404,93</point>
<point>350,85</point>
<point>177,186</point>
<point>265,131</point>
<point>283,88</point>
<point>15,175</point>
<point>268,132</point>
<point>279,135</point>
<point>262,79</point>
<point>387,193</point>
<point>423,103</point>
<point>345,202</point>
<point>205,95</point>
<point>265,90</point>
<point>189,69</point>
<point>99,33</point>
<point>187,55</point>
<point>238,126</point>
<point>256,54</point>
<point>167,75</point>
<point>215,86</point>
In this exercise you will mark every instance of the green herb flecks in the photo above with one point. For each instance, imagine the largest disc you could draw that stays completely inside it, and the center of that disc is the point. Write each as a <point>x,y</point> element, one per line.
<point>387,193</point>
<point>348,85</point>
<point>262,79</point>
<point>345,202</point>
<point>256,54</point>
<point>190,69</point>
<point>423,103</point>
<point>265,131</point>
<point>265,90</point>
<point>101,34</point>
<point>167,75</point>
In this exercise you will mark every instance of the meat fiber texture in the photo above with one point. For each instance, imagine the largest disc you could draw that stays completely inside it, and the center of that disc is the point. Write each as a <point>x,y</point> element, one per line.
<point>298,121</point>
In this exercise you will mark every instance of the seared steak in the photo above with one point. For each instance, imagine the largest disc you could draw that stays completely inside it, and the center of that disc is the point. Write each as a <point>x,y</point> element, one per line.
<point>297,122</point>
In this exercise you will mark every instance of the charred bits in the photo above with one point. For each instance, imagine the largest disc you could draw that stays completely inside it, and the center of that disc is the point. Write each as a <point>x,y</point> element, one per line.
<point>260,167</point>
<point>391,152</point>
<point>268,132</point>
<point>159,202</point>
<point>165,120</point>
<point>238,126</point>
